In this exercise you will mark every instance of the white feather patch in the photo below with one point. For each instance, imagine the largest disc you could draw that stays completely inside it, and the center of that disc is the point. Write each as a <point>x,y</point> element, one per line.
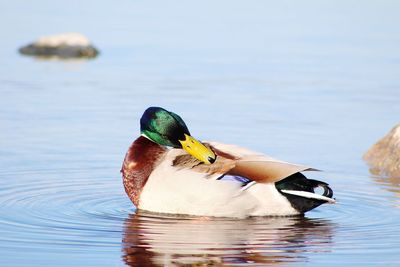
<point>184,191</point>
<point>309,195</point>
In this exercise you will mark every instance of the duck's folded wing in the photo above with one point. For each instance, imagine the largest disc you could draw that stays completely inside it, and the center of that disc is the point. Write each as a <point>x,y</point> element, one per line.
<point>267,171</point>
<point>254,165</point>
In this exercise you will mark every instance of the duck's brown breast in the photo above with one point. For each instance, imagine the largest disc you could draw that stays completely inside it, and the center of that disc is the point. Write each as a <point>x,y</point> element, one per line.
<point>140,160</point>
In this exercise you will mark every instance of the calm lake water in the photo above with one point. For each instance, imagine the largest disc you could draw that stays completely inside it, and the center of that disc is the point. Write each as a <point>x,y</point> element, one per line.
<point>311,82</point>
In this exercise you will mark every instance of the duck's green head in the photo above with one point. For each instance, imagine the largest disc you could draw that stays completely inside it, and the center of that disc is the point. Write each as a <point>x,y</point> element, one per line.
<point>168,129</point>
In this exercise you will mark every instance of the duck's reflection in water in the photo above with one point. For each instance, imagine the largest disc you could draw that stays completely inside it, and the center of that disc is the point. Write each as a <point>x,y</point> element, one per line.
<point>151,240</point>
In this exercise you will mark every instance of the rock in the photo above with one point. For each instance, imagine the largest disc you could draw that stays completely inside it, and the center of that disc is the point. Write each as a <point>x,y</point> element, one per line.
<point>67,45</point>
<point>384,156</point>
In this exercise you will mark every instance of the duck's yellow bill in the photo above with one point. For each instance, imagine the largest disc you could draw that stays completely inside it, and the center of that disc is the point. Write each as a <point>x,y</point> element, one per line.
<point>198,150</point>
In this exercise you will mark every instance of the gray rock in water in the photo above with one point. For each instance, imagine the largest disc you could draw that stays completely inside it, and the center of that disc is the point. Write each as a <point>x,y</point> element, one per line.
<point>384,156</point>
<point>67,45</point>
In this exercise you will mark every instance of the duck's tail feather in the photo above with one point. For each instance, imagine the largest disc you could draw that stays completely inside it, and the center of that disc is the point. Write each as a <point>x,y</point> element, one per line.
<point>300,192</point>
<point>309,195</point>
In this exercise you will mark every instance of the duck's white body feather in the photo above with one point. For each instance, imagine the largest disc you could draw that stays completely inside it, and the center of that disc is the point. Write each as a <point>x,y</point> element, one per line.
<point>183,191</point>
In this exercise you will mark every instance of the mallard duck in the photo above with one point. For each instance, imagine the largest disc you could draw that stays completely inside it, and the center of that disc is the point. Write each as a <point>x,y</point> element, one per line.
<point>166,170</point>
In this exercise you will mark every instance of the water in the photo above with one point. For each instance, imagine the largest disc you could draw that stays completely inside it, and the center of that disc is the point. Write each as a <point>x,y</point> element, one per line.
<point>314,83</point>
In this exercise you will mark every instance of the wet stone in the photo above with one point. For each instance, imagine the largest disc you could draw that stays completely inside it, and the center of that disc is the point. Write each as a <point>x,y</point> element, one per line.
<point>67,45</point>
<point>384,156</point>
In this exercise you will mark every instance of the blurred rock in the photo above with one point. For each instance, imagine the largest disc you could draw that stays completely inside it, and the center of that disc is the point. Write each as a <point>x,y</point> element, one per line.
<point>384,156</point>
<point>67,45</point>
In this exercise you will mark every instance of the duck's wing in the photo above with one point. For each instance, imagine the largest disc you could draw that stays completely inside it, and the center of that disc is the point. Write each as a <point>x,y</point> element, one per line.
<point>183,161</point>
<point>238,161</point>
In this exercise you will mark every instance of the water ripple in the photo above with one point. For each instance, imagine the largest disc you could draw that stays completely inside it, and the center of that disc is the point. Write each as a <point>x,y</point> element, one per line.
<point>82,210</point>
<point>50,208</point>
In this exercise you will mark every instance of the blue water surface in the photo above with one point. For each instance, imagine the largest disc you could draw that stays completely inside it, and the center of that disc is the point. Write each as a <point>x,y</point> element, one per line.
<point>311,82</point>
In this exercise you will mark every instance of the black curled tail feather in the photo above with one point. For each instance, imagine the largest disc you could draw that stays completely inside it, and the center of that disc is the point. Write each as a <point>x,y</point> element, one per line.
<point>298,182</point>
<point>327,190</point>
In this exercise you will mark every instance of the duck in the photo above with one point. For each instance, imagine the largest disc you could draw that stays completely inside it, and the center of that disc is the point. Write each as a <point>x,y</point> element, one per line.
<point>167,171</point>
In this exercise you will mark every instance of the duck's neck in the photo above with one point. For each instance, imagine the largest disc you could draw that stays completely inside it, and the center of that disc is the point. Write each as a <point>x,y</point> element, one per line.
<point>139,162</point>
